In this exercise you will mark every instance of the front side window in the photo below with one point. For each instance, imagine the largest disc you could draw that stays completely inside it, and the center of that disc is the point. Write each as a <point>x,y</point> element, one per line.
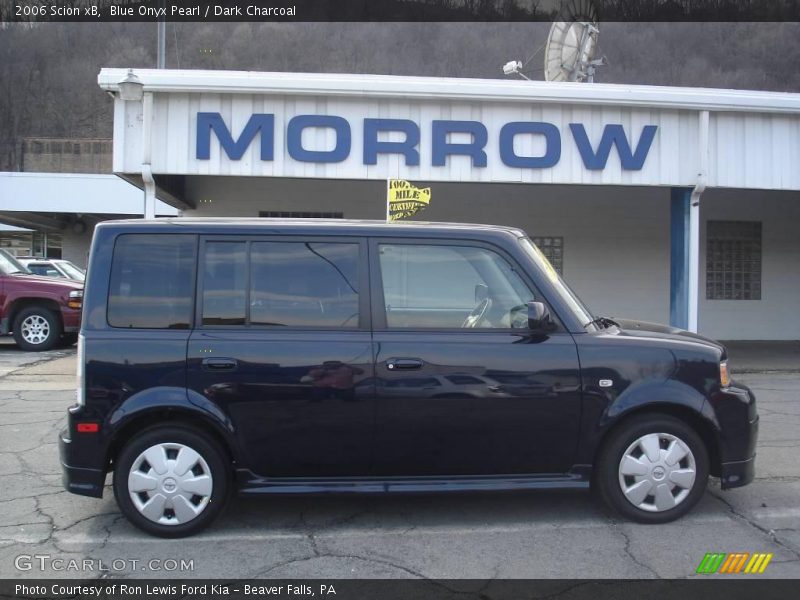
<point>443,286</point>
<point>151,281</point>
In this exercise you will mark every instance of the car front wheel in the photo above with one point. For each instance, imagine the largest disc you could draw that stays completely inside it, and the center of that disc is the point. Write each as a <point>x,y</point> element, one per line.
<point>36,329</point>
<point>653,469</point>
<point>171,481</point>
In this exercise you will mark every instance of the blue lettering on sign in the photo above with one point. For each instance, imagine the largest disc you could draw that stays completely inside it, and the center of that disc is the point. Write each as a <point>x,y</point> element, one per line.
<point>442,147</point>
<point>373,147</point>
<point>294,138</point>
<point>613,136</point>
<point>206,122</point>
<point>552,140</point>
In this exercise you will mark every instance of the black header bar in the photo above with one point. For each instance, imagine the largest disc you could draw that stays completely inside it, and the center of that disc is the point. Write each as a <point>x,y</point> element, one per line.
<point>396,10</point>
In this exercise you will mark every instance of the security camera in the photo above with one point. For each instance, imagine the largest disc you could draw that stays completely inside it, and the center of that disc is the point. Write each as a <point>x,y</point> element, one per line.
<point>512,67</point>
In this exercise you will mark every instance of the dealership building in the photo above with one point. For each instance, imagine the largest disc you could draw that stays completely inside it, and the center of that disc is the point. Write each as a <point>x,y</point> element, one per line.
<point>666,204</point>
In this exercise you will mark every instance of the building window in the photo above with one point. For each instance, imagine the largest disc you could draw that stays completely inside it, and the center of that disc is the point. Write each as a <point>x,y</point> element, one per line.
<point>278,214</point>
<point>733,260</point>
<point>553,249</point>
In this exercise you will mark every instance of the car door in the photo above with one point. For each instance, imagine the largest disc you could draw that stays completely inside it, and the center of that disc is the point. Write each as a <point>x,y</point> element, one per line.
<point>456,395</point>
<point>283,346</point>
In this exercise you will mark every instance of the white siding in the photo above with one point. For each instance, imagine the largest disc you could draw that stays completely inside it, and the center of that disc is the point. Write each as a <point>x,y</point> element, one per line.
<point>616,240</point>
<point>776,315</point>
<point>754,137</point>
<point>671,160</point>
<point>72,193</point>
<point>75,247</point>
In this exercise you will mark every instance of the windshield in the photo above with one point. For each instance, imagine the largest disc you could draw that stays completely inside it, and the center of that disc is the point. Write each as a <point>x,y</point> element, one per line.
<point>9,265</point>
<point>565,293</point>
<point>73,271</point>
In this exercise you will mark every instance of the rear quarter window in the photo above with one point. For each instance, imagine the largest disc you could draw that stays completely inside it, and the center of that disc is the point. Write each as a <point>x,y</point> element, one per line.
<point>151,284</point>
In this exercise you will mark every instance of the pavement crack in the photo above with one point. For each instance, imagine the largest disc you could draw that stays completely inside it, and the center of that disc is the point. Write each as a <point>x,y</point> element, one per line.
<point>619,528</point>
<point>770,533</point>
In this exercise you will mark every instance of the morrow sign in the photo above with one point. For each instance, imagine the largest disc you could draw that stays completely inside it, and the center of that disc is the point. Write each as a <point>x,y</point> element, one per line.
<point>632,154</point>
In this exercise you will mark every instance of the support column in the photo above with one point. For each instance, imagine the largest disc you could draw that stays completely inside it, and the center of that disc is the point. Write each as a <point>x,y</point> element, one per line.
<point>693,301</point>
<point>679,272</point>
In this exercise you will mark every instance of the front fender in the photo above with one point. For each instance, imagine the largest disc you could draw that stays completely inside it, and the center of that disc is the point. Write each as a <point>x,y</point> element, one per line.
<point>652,394</point>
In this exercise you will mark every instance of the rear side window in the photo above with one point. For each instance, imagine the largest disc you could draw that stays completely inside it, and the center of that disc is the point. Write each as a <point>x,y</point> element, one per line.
<point>151,281</point>
<point>281,284</point>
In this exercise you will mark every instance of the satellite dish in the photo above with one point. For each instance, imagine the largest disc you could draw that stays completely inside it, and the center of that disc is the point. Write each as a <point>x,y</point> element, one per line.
<point>569,51</point>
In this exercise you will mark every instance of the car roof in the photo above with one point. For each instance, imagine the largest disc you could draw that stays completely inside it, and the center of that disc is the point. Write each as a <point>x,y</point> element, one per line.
<point>309,226</point>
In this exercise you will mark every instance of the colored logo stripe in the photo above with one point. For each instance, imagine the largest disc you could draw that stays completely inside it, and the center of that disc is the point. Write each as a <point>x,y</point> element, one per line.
<point>758,563</point>
<point>720,562</point>
<point>734,562</point>
<point>710,563</point>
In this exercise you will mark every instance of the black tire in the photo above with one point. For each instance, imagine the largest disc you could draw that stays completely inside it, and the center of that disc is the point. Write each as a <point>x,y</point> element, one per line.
<point>208,449</point>
<point>41,316</point>
<point>607,474</point>
<point>68,339</point>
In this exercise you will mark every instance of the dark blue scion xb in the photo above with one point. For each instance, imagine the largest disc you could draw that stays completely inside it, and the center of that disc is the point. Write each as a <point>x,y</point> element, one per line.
<point>275,356</point>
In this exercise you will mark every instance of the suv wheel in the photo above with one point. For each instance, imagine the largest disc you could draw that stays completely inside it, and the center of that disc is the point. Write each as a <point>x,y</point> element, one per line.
<point>37,328</point>
<point>653,469</point>
<point>171,481</point>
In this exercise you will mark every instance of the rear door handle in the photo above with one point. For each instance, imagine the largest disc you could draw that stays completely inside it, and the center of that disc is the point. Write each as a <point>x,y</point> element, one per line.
<point>403,364</point>
<point>219,364</point>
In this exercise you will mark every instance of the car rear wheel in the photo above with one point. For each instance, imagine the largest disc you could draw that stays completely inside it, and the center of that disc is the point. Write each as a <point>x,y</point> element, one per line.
<point>171,481</point>
<point>37,328</point>
<point>653,469</point>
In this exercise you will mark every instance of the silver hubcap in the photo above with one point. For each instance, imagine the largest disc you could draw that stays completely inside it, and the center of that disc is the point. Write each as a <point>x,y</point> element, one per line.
<point>170,483</point>
<point>657,472</point>
<point>35,329</point>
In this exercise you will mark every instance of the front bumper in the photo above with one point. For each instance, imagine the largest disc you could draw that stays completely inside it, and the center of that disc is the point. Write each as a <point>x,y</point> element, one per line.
<point>737,418</point>
<point>737,474</point>
<point>71,319</point>
<point>86,482</point>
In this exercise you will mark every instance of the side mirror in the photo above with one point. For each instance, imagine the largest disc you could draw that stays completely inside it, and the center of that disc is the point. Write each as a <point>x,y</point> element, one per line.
<point>481,292</point>
<point>539,318</point>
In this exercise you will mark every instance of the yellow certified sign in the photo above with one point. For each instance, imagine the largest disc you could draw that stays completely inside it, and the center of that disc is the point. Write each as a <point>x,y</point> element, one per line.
<point>406,199</point>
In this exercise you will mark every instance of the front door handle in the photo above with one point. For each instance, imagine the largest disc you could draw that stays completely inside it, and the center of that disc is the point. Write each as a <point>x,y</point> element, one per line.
<point>403,364</point>
<point>219,364</point>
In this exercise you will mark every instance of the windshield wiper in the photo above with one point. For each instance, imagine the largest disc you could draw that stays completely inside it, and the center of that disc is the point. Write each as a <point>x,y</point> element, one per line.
<point>603,322</point>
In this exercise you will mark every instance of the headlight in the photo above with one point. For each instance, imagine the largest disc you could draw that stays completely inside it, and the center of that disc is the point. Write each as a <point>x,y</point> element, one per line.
<point>724,375</point>
<point>75,299</point>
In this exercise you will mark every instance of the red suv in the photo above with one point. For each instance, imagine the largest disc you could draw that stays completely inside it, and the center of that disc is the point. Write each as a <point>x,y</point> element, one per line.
<point>40,312</point>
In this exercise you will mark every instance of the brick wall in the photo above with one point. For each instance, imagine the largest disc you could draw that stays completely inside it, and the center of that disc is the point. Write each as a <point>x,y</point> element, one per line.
<point>56,155</point>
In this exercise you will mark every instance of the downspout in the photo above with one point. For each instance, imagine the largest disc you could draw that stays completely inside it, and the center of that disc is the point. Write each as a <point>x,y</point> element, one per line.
<point>694,223</point>
<point>149,210</point>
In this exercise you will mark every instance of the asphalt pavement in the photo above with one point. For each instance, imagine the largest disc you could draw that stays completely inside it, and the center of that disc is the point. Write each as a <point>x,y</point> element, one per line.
<point>45,531</point>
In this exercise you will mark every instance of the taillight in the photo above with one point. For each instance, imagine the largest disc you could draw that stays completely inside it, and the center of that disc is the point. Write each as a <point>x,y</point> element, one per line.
<point>80,395</point>
<point>87,427</point>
